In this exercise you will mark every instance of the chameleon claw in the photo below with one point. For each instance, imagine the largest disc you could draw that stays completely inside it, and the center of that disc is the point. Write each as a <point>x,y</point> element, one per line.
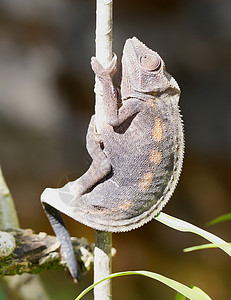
<point>102,72</point>
<point>113,65</point>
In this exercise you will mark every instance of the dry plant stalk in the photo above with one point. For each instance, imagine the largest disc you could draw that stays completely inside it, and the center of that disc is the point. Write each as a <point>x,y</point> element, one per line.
<point>26,285</point>
<point>103,240</point>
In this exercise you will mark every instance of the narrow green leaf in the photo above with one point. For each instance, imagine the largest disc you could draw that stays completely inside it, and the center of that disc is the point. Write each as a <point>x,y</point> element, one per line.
<point>223,218</point>
<point>179,287</point>
<point>187,227</point>
<point>199,291</point>
<point>205,246</point>
<point>179,296</point>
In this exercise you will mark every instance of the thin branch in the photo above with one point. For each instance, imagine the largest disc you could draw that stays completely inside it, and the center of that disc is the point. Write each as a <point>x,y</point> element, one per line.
<point>35,253</point>
<point>8,214</point>
<point>103,240</point>
<point>102,264</point>
<point>103,51</point>
<point>9,219</point>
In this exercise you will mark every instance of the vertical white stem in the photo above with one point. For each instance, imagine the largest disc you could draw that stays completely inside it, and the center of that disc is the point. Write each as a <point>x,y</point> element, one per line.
<point>103,43</point>
<point>102,264</point>
<point>103,240</point>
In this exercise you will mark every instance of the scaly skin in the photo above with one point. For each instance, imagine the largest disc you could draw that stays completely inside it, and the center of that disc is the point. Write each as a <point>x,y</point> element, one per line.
<point>137,158</point>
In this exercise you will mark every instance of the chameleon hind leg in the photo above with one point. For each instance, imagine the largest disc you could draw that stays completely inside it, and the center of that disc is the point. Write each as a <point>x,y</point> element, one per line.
<point>100,166</point>
<point>64,199</point>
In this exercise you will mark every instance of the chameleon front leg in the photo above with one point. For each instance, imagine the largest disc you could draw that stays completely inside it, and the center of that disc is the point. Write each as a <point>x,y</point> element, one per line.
<point>116,111</point>
<point>100,166</point>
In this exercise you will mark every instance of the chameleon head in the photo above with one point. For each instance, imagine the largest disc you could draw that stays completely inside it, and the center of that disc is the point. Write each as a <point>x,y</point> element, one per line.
<point>144,71</point>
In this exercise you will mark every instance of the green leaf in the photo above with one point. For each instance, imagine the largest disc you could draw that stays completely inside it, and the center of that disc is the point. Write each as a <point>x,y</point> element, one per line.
<point>205,246</point>
<point>187,227</point>
<point>179,287</point>
<point>223,218</point>
<point>199,291</point>
<point>179,296</point>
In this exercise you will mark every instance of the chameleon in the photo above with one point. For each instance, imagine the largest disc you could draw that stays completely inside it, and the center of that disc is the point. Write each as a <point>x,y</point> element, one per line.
<point>137,156</point>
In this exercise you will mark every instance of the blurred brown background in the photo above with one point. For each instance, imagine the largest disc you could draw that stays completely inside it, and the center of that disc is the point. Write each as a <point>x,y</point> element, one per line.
<point>46,100</point>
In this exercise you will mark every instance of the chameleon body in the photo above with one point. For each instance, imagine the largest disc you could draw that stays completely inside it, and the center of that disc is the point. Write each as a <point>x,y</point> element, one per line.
<point>137,157</point>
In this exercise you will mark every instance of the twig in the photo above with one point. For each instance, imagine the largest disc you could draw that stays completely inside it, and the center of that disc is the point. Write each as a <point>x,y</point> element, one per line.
<point>103,45</point>
<point>103,240</point>
<point>9,219</point>
<point>35,253</point>
<point>8,214</point>
<point>102,264</point>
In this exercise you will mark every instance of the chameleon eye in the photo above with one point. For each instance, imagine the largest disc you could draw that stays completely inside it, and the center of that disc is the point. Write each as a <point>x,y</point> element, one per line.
<point>150,62</point>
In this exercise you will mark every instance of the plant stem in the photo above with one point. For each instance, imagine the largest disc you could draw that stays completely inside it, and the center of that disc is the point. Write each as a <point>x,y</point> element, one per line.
<point>8,214</point>
<point>25,286</point>
<point>103,49</point>
<point>102,264</point>
<point>35,253</point>
<point>103,240</point>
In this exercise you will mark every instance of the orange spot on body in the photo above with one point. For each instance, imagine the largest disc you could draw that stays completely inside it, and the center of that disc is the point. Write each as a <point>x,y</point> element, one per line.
<point>152,100</point>
<point>146,181</point>
<point>157,131</point>
<point>156,157</point>
<point>126,205</point>
<point>150,103</point>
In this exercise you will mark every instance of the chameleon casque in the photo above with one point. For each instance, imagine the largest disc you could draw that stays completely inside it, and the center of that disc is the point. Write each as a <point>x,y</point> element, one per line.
<point>136,158</point>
